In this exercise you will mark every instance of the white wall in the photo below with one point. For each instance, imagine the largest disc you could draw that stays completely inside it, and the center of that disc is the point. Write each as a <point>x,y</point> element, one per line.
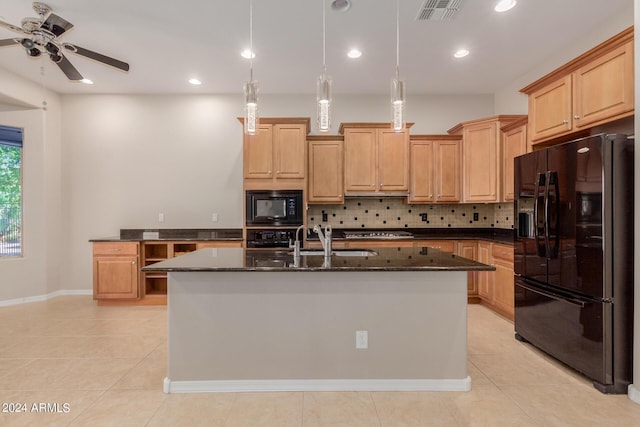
<point>38,271</point>
<point>126,158</point>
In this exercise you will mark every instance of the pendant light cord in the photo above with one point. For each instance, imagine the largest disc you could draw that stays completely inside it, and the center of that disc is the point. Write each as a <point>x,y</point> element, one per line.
<point>251,40</point>
<point>398,39</point>
<point>324,35</point>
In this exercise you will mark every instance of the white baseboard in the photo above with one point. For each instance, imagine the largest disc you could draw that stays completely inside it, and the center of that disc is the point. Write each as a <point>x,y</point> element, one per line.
<point>315,385</point>
<point>634,393</point>
<point>39,298</point>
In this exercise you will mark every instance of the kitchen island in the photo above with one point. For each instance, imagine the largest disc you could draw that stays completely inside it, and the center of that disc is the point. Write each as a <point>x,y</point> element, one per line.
<point>244,320</point>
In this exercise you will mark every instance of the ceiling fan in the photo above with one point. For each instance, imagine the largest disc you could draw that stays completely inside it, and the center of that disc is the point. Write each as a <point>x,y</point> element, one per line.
<point>40,35</point>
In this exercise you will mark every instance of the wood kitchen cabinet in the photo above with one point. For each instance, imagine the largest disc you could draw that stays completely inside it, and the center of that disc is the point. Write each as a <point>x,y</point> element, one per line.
<point>118,280</point>
<point>116,270</point>
<point>376,159</point>
<point>326,171</point>
<point>514,143</point>
<point>275,157</point>
<point>469,249</point>
<point>485,278</point>
<point>594,88</point>
<point>482,163</point>
<point>503,301</point>
<point>435,173</point>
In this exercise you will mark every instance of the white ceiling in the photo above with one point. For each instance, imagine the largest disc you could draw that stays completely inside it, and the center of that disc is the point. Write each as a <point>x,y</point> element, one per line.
<point>167,42</point>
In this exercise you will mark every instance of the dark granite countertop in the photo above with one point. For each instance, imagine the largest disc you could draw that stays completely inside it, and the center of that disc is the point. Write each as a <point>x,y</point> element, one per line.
<point>200,234</point>
<point>496,235</point>
<point>387,259</point>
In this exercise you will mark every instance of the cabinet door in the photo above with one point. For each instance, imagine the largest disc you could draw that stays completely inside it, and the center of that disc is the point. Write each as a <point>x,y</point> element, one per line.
<point>485,278</point>
<point>504,287</point>
<point>604,87</point>
<point>393,160</point>
<point>326,174</point>
<point>422,171</point>
<point>514,144</point>
<point>360,159</point>
<point>115,277</point>
<point>481,166</point>
<point>289,142</point>
<point>469,249</point>
<point>448,172</point>
<point>258,153</point>
<point>550,110</point>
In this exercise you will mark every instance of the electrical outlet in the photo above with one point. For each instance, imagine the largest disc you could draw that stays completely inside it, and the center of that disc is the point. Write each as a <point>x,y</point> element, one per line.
<point>214,217</point>
<point>325,217</point>
<point>424,216</point>
<point>362,339</point>
<point>160,217</point>
<point>476,216</point>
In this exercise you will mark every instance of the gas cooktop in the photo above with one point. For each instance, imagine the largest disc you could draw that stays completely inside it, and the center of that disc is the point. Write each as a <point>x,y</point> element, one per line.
<point>391,235</point>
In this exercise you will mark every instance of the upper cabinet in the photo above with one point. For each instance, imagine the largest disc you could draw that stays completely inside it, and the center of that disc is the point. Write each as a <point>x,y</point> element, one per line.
<point>514,143</point>
<point>593,89</point>
<point>436,174</point>
<point>326,172</point>
<point>275,157</point>
<point>376,159</point>
<point>482,162</point>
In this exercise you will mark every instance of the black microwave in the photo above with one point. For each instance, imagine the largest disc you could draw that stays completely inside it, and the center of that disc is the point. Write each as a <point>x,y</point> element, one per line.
<point>278,207</point>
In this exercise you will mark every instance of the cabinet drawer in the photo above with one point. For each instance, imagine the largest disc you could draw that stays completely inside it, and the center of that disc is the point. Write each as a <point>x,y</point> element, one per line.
<point>115,248</point>
<point>504,252</point>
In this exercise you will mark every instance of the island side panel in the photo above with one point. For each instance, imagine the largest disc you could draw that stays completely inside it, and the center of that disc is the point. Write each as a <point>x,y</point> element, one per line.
<point>302,325</point>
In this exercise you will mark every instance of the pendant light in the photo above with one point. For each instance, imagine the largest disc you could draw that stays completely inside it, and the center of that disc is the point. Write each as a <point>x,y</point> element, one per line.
<point>324,85</point>
<point>397,85</point>
<point>251,87</point>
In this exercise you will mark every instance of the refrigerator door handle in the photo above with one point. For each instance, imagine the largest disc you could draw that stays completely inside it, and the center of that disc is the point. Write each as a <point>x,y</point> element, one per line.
<point>557,297</point>
<point>547,233</point>
<point>540,249</point>
<point>552,214</point>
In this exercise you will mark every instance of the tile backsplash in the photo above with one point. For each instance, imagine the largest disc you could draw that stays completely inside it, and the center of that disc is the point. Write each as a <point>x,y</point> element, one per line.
<point>393,212</point>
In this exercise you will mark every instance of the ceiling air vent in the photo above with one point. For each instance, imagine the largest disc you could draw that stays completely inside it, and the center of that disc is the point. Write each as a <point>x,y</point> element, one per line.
<point>438,10</point>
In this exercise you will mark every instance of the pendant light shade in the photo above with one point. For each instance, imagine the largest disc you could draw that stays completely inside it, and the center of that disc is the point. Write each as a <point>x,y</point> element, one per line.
<point>323,89</point>
<point>397,85</point>
<point>324,103</point>
<point>251,107</point>
<point>251,120</point>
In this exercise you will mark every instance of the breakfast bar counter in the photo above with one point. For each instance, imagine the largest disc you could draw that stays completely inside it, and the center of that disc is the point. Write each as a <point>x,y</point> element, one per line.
<point>242,320</point>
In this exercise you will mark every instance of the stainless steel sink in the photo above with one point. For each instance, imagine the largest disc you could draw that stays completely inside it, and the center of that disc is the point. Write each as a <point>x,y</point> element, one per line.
<point>338,252</point>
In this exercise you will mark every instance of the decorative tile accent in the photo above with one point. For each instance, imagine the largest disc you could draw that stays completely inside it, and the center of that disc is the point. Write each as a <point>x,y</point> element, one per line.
<point>394,212</point>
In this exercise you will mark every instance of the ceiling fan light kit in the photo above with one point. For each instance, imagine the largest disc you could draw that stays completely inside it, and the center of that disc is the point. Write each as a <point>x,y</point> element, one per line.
<point>251,118</point>
<point>40,35</point>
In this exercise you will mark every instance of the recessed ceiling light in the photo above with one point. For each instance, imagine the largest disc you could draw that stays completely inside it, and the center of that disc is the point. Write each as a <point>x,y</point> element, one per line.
<point>461,53</point>
<point>341,5</point>
<point>504,5</point>
<point>87,81</point>
<point>248,54</point>
<point>195,82</point>
<point>354,53</point>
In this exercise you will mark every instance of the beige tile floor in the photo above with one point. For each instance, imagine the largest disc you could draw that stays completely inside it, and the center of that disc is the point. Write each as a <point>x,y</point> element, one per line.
<point>107,364</point>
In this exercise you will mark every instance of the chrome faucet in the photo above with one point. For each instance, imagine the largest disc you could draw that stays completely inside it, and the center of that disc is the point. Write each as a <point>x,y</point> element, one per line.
<point>296,244</point>
<point>325,239</point>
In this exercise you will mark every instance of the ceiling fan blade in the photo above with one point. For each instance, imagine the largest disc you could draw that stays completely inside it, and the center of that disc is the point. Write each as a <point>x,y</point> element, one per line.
<point>14,28</point>
<point>56,25</point>
<point>68,69</point>
<point>9,42</point>
<point>97,56</point>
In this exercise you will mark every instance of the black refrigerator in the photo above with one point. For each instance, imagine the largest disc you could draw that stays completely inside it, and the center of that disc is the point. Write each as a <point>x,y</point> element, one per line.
<point>573,256</point>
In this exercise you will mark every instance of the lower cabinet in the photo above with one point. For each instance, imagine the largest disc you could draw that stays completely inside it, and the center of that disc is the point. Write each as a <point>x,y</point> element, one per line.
<point>469,249</point>
<point>116,270</point>
<point>118,280</point>
<point>503,300</point>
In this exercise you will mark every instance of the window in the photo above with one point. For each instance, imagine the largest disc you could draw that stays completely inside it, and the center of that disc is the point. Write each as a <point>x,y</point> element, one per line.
<point>10,191</point>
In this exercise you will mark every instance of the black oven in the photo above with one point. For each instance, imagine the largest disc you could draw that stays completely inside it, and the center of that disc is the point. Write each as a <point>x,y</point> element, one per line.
<point>277,207</point>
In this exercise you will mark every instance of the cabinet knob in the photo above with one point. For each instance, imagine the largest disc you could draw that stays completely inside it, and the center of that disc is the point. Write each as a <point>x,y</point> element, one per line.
<point>565,122</point>
<point>576,117</point>
<point>133,263</point>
